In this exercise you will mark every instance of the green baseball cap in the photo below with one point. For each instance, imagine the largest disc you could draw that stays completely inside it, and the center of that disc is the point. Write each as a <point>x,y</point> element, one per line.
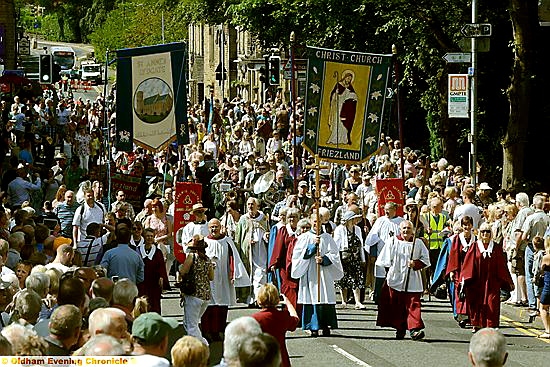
<point>152,328</point>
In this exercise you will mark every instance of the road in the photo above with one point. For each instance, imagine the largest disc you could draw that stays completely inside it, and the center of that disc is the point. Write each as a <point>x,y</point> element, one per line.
<point>81,50</point>
<point>359,342</point>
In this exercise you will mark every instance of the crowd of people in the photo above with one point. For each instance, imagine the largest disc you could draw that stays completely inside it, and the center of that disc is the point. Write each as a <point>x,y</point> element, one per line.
<point>84,273</point>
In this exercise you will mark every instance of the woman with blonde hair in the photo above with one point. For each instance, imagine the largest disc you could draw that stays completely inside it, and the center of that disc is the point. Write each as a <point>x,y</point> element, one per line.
<point>59,196</point>
<point>275,321</point>
<point>189,351</point>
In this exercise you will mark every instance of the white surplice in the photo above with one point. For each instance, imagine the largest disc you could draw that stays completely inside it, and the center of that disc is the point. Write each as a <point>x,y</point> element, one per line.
<point>222,290</point>
<point>306,270</point>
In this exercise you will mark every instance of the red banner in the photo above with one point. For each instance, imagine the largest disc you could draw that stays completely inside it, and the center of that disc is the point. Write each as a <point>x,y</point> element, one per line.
<point>390,189</point>
<point>131,185</point>
<point>187,194</point>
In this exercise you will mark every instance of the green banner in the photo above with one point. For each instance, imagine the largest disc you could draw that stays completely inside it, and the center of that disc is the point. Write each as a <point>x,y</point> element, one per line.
<point>344,104</point>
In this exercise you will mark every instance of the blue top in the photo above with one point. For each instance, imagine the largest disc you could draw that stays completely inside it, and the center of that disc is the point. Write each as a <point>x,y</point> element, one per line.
<point>124,262</point>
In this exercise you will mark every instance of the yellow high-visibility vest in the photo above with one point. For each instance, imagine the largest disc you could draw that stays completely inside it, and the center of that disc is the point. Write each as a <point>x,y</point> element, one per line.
<point>435,239</point>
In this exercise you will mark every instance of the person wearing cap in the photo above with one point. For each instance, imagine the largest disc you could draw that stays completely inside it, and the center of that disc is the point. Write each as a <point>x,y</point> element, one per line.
<point>199,270</point>
<point>251,241</point>
<point>229,272</point>
<point>64,326</point>
<point>484,194</point>
<point>60,165</point>
<point>150,334</point>
<point>399,305</point>
<point>316,263</point>
<point>198,227</point>
<point>349,239</point>
<point>304,202</point>
<point>383,228</point>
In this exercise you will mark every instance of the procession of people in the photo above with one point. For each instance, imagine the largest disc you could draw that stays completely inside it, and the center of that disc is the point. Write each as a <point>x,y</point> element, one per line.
<point>260,220</point>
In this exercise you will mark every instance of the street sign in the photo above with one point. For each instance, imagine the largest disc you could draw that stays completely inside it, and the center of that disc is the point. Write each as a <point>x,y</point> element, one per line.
<point>24,46</point>
<point>477,30</point>
<point>458,97</point>
<point>458,57</point>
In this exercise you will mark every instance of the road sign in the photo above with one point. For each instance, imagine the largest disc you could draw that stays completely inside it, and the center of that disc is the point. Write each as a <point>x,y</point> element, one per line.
<point>477,30</point>
<point>458,97</point>
<point>24,46</point>
<point>458,57</point>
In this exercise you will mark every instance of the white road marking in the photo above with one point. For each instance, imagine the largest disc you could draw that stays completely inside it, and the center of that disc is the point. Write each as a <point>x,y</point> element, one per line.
<point>349,356</point>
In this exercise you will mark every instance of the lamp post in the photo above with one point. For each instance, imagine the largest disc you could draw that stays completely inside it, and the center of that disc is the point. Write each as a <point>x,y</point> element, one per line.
<point>473,101</point>
<point>293,104</point>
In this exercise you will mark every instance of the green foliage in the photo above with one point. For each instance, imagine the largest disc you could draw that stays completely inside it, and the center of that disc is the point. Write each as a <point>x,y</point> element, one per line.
<point>137,23</point>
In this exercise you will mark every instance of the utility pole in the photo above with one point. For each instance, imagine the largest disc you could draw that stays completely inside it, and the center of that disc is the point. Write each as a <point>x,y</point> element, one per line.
<point>473,101</point>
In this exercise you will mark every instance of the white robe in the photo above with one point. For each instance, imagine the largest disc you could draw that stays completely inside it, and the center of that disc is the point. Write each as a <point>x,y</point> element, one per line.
<point>382,229</point>
<point>396,256</point>
<point>222,290</point>
<point>185,234</point>
<point>306,270</point>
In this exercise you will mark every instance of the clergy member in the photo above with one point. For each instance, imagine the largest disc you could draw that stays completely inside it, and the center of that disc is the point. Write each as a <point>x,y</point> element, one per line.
<point>229,272</point>
<point>316,263</point>
<point>484,273</point>
<point>399,304</point>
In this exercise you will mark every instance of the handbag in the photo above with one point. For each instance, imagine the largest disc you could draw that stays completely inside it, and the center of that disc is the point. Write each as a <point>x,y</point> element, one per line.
<point>187,284</point>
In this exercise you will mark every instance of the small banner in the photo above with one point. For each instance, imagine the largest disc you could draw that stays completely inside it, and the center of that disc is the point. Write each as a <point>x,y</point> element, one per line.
<point>458,102</point>
<point>151,96</point>
<point>390,189</point>
<point>187,194</point>
<point>131,185</point>
<point>345,99</point>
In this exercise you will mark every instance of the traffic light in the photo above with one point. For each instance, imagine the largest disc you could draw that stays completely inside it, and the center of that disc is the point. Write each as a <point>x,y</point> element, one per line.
<point>264,71</point>
<point>274,70</point>
<point>45,69</point>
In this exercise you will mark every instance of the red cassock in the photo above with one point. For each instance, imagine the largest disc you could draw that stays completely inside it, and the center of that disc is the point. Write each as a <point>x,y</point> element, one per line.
<point>454,264</point>
<point>281,258</point>
<point>484,276</point>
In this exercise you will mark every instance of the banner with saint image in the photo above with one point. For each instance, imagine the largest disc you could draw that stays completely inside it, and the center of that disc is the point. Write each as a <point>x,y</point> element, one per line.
<point>151,96</point>
<point>344,103</point>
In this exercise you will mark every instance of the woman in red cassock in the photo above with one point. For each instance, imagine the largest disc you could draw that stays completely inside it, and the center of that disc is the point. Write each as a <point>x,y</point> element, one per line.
<point>460,246</point>
<point>484,273</point>
<point>282,255</point>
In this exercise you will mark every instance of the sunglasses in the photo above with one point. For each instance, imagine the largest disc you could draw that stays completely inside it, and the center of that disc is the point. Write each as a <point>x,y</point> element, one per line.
<point>485,231</point>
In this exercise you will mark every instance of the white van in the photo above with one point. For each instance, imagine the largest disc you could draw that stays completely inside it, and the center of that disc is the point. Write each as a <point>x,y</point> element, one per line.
<point>91,72</point>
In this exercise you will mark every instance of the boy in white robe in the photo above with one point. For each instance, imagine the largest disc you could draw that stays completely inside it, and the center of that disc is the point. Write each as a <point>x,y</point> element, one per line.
<point>399,303</point>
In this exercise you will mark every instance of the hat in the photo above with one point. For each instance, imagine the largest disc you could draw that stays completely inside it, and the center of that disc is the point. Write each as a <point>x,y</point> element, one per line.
<point>60,155</point>
<point>197,242</point>
<point>152,328</point>
<point>484,186</point>
<point>302,183</point>
<point>198,207</point>
<point>410,201</point>
<point>349,215</point>
<point>367,176</point>
<point>355,169</point>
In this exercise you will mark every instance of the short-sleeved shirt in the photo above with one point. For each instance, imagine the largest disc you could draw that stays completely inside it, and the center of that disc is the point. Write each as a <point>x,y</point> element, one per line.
<point>536,224</point>
<point>124,262</point>
<point>85,215</point>
<point>95,246</point>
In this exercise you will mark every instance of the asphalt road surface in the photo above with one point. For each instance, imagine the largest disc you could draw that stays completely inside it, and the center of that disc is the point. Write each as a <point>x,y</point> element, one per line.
<point>359,342</point>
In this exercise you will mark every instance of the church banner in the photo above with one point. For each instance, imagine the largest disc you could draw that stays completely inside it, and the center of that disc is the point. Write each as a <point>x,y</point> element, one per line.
<point>187,194</point>
<point>390,189</point>
<point>151,96</point>
<point>344,103</point>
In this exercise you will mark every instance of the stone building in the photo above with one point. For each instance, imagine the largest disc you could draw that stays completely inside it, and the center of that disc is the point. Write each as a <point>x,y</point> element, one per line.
<point>8,34</point>
<point>223,47</point>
